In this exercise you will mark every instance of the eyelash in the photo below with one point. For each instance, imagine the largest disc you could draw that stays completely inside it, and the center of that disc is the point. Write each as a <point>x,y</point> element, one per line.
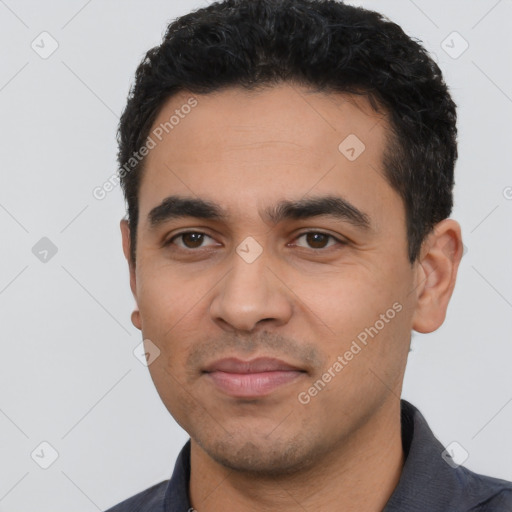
<point>171,240</point>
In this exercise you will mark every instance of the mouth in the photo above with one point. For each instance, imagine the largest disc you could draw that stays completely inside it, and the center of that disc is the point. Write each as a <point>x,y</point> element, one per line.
<point>251,379</point>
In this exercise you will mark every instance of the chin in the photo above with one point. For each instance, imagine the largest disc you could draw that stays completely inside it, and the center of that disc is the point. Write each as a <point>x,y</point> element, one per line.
<point>264,456</point>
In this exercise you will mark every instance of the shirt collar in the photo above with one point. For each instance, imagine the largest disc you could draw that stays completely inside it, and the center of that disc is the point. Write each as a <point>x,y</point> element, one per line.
<point>426,478</point>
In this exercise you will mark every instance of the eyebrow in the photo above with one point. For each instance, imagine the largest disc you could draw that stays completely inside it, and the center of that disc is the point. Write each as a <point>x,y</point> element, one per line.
<point>174,207</point>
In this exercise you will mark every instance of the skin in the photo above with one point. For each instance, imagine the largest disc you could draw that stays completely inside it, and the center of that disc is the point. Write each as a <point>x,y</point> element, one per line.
<point>302,300</point>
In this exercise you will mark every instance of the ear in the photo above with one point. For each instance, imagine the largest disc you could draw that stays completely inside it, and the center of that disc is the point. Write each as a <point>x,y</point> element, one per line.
<point>436,273</point>
<point>125,234</point>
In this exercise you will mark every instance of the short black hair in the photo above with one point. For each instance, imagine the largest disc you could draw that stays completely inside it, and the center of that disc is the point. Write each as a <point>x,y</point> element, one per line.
<point>321,44</point>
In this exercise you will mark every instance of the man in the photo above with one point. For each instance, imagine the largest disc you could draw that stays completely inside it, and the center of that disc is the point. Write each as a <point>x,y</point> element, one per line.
<point>288,170</point>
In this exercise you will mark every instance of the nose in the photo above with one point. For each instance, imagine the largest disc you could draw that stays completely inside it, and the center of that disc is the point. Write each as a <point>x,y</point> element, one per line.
<point>251,294</point>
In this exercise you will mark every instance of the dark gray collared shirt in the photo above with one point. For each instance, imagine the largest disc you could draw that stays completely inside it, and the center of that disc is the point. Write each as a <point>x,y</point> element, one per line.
<point>428,483</point>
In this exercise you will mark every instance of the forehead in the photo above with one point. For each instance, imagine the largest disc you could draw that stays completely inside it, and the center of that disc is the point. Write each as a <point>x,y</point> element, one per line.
<point>244,148</point>
<point>283,114</point>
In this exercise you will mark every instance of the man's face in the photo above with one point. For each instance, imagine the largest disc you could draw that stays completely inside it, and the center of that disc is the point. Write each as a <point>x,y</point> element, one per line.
<point>306,290</point>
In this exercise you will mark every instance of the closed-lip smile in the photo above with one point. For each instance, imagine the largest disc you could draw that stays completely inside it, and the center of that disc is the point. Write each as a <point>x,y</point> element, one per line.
<point>251,379</point>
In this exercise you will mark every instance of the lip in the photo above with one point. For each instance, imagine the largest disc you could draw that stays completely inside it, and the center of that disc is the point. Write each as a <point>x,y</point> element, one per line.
<point>251,379</point>
<point>257,365</point>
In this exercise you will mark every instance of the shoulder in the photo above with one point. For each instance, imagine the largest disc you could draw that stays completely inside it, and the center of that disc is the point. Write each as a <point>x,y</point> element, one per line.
<point>149,500</point>
<point>430,475</point>
<point>488,494</point>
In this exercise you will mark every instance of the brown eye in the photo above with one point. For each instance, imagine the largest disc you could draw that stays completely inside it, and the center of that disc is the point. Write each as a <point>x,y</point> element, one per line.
<point>189,240</point>
<point>192,240</point>
<point>318,240</point>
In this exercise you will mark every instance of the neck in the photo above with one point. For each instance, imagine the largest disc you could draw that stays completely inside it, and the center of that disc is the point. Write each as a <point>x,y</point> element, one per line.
<point>360,474</point>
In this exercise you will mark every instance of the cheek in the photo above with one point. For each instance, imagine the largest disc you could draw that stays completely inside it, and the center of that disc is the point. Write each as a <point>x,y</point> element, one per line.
<point>173,307</point>
<point>344,302</point>
<point>181,402</point>
<point>360,314</point>
<point>164,297</point>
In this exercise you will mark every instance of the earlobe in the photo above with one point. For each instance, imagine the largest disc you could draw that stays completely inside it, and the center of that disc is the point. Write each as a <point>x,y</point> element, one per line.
<point>136,319</point>
<point>436,275</point>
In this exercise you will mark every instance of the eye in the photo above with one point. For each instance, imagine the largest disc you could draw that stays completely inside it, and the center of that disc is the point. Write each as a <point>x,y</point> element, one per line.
<point>189,239</point>
<point>318,239</point>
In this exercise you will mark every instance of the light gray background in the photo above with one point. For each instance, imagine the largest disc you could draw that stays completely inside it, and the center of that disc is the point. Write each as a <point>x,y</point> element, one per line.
<point>68,375</point>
